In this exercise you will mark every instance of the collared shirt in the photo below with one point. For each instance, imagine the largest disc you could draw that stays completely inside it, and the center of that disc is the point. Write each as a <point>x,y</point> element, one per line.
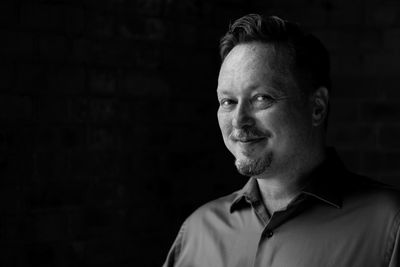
<point>339,219</point>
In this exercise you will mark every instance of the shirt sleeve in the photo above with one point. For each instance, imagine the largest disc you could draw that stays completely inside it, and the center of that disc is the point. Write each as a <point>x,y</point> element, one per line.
<point>395,255</point>
<point>175,250</point>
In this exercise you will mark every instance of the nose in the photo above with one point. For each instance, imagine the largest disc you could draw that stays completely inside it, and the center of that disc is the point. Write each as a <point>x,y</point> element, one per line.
<point>242,116</point>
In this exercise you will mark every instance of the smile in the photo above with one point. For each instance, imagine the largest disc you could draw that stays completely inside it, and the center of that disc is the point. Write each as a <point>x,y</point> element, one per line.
<point>249,141</point>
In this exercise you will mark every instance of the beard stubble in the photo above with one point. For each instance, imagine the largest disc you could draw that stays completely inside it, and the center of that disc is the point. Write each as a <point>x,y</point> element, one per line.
<point>252,167</point>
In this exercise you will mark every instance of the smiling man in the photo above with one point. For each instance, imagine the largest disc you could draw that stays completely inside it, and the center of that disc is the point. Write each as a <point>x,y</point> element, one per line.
<point>300,207</point>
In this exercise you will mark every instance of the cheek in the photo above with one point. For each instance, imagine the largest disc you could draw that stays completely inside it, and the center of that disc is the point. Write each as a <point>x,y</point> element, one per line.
<point>283,122</point>
<point>270,120</point>
<point>293,125</point>
<point>224,123</point>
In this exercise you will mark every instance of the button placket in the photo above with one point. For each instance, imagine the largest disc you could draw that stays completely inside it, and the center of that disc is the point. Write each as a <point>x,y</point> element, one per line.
<point>261,212</point>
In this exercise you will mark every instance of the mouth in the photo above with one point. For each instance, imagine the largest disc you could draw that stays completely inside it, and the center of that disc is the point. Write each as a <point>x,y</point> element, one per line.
<point>249,140</point>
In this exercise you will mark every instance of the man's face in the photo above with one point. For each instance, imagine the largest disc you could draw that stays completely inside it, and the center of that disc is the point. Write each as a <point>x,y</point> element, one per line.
<point>264,119</point>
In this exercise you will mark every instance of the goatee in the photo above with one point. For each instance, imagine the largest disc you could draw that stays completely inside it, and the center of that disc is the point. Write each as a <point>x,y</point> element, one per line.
<point>252,167</point>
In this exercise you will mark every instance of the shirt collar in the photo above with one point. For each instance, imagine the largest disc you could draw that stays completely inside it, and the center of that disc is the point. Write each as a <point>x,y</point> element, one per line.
<point>325,184</point>
<point>249,194</point>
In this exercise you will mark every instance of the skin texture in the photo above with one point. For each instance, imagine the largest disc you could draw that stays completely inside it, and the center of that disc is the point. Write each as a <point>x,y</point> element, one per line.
<point>273,130</point>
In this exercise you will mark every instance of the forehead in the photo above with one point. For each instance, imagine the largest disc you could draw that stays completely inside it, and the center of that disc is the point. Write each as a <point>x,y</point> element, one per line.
<point>254,65</point>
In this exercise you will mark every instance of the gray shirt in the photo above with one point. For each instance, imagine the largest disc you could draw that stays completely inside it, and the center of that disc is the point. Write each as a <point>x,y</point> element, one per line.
<point>339,219</point>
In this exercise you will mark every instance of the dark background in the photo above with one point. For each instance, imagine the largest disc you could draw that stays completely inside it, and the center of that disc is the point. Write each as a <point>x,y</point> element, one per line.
<point>109,136</point>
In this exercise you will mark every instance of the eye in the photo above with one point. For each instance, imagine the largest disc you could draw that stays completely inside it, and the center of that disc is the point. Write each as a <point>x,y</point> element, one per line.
<point>226,102</point>
<point>264,98</point>
<point>264,101</point>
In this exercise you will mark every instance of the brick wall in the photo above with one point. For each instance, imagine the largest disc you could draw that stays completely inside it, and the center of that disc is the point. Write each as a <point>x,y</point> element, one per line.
<point>109,137</point>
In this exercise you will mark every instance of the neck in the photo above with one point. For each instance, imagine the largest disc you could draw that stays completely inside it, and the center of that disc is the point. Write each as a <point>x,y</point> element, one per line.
<point>279,190</point>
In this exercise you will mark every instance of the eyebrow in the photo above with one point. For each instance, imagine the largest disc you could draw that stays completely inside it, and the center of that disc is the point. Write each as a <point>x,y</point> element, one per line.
<point>267,89</point>
<point>223,92</point>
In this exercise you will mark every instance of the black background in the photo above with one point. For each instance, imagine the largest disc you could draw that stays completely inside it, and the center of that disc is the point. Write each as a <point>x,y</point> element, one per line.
<point>109,136</point>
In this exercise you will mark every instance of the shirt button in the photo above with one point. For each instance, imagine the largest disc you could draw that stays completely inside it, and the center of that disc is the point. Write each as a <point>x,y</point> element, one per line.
<point>269,233</point>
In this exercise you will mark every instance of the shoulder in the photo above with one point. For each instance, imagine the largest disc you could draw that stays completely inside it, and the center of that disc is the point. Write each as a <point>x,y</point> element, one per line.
<point>371,187</point>
<point>219,207</point>
<point>376,197</point>
<point>201,230</point>
<point>211,214</point>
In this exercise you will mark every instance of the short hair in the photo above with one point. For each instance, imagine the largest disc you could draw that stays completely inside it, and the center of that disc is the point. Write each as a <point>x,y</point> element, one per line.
<point>309,59</point>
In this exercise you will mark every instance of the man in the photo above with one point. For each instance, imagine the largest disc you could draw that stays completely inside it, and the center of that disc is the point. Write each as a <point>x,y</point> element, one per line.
<point>301,207</point>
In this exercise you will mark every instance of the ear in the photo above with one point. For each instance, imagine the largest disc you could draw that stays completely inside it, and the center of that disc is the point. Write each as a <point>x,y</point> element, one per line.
<point>320,101</point>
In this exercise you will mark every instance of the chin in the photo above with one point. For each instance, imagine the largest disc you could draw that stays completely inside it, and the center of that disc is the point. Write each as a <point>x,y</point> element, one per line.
<point>253,166</point>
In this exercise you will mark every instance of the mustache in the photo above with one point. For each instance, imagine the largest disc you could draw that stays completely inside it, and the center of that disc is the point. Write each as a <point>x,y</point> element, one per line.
<point>248,133</point>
